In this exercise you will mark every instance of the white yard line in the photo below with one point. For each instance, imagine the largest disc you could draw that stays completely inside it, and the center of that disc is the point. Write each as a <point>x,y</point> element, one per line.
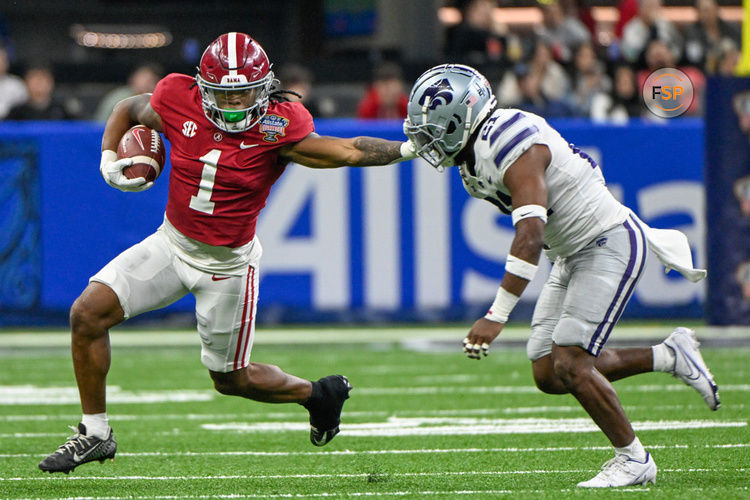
<point>422,493</point>
<point>392,391</point>
<point>34,395</point>
<point>351,414</point>
<point>444,426</point>
<point>15,435</point>
<point>330,476</point>
<point>127,337</point>
<point>466,426</point>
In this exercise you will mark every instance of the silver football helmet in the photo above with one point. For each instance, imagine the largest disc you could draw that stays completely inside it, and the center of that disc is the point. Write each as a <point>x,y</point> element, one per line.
<point>446,105</point>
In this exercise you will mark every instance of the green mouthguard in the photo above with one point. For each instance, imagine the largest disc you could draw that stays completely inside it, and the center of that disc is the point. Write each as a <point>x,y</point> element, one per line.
<point>234,116</point>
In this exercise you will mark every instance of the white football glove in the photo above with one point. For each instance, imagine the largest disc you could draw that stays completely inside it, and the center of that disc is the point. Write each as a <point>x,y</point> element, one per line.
<point>111,169</point>
<point>408,152</point>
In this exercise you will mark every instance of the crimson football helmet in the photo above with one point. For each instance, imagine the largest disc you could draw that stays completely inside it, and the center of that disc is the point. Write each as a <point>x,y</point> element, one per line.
<point>235,81</point>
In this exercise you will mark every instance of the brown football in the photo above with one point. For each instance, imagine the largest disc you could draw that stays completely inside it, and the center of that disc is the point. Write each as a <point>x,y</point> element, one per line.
<point>146,148</point>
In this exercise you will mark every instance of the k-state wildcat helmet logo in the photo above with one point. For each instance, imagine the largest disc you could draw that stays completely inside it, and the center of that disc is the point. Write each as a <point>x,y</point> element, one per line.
<point>446,105</point>
<point>439,93</point>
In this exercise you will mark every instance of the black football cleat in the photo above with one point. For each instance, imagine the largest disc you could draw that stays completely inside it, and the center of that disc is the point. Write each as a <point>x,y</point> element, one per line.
<point>325,411</point>
<point>79,449</point>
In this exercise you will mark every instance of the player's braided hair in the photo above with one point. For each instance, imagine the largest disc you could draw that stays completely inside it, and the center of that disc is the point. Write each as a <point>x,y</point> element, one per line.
<point>281,95</point>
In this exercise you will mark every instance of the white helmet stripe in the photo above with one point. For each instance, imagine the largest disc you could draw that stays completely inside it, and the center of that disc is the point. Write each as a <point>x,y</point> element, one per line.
<point>467,125</point>
<point>232,53</point>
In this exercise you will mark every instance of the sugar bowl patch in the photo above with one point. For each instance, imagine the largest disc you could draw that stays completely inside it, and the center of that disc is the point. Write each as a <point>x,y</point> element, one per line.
<point>273,127</point>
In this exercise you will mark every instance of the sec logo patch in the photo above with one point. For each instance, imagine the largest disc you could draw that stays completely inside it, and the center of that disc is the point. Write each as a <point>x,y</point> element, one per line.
<point>189,128</point>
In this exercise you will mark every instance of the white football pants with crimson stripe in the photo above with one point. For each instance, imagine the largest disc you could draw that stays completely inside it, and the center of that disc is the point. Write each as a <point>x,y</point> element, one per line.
<point>149,275</point>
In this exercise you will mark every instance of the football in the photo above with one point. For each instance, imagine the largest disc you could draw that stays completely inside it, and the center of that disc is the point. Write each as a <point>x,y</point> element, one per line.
<point>146,148</point>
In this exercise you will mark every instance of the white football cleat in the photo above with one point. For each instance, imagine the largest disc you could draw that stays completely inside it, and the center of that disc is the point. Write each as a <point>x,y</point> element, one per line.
<point>623,471</point>
<point>690,367</point>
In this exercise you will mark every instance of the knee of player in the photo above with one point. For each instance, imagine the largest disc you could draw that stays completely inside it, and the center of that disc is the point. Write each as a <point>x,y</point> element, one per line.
<point>568,368</point>
<point>549,383</point>
<point>84,319</point>
<point>95,311</point>
<point>544,376</point>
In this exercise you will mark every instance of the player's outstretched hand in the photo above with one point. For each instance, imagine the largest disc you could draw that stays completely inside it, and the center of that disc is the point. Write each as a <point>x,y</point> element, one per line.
<point>477,342</point>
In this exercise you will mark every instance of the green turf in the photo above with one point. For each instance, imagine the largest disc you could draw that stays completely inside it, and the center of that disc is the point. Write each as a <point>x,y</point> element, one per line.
<point>165,450</point>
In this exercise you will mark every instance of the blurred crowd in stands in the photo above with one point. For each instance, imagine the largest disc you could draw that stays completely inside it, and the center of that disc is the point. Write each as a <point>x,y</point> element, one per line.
<point>560,68</point>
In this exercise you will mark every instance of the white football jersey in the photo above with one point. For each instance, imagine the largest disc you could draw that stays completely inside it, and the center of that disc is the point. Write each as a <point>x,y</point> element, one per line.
<point>579,205</point>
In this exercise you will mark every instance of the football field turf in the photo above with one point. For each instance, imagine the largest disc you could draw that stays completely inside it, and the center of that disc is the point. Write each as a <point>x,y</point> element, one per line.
<point>422,422</point>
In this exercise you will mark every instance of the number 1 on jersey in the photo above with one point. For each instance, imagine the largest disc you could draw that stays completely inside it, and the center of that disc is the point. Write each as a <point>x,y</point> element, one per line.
<point>202,202</point>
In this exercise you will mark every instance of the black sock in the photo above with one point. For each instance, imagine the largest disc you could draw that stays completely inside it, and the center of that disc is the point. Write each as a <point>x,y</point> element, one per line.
<point>315,396</point>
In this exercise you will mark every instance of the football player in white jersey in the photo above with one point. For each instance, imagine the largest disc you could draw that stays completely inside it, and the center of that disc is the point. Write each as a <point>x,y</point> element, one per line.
<point>559,203</point>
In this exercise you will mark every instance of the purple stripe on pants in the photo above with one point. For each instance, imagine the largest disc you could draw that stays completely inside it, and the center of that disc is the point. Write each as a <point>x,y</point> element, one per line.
<point>644,254</point>
<point>618,298</point>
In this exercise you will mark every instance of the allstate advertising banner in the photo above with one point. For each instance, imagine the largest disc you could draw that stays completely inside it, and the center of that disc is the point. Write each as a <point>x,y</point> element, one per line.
<point>728,200</point>
<point>401,242</point>
<point>410,240</point>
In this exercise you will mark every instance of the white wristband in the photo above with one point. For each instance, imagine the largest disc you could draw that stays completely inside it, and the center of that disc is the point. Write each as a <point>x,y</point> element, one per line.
<point>107,156</point>
<point>527,211</point>
<point>520,268</point>
<point>407,152</point>
<point>503,305</point>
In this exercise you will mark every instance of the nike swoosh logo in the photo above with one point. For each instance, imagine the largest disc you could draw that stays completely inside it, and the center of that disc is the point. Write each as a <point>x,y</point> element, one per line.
<point>247,146</point>
<point>219,278</point>
<point>695,373</point>
<point>78,459</point>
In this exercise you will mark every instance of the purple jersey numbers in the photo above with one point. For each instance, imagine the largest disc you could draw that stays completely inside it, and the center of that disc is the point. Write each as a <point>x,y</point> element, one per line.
<point>583,154</point>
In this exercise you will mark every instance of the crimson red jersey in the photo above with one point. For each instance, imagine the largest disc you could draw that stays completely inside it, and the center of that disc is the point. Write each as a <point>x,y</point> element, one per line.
<point>220,181</point>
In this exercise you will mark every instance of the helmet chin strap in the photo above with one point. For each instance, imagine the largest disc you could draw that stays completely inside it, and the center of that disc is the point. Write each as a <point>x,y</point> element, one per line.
<point>425,107</point>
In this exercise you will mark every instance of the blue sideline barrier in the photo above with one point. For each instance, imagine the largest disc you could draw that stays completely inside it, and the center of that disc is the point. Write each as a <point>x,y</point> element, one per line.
<point>396,243</point>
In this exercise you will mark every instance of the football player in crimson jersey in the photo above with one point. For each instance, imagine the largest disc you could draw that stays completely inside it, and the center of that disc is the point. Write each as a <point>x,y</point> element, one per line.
<point>232,134</point>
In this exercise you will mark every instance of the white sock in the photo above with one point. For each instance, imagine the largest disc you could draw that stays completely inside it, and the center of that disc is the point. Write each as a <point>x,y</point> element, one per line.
<point>663,358</point>
<point>634,450</point>
<point>97,425</point>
